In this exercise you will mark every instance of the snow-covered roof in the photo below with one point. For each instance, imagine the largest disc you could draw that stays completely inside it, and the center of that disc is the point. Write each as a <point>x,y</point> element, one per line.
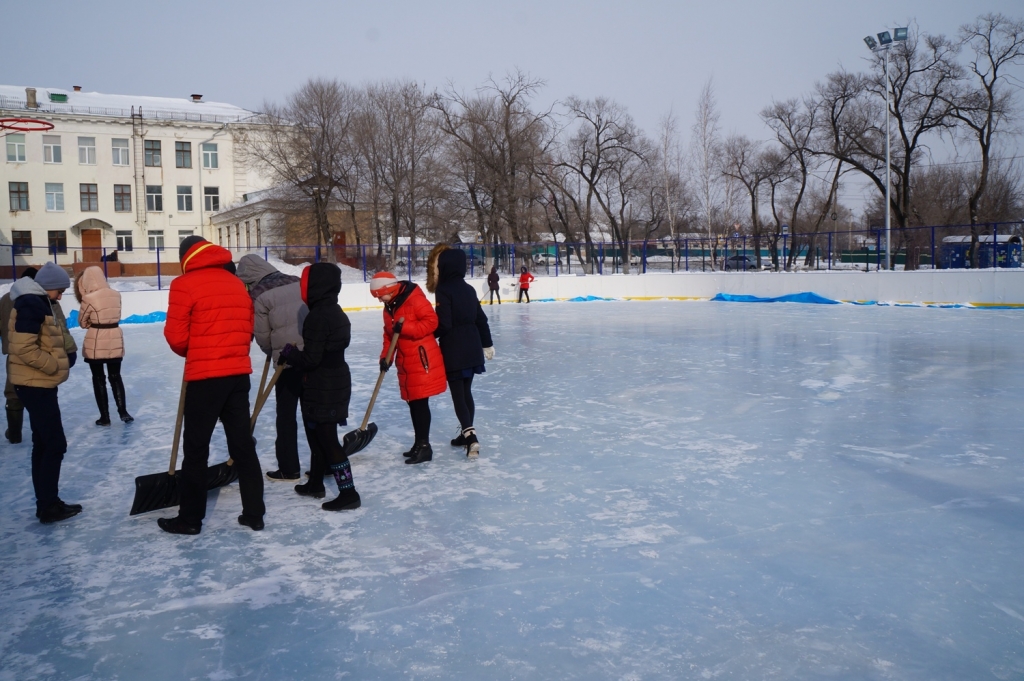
<point>100,104</point>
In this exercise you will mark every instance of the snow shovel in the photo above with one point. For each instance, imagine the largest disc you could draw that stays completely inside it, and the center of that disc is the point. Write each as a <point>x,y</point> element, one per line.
<point>263,395</point>
<point>357,440</point>
<point>160,490</point>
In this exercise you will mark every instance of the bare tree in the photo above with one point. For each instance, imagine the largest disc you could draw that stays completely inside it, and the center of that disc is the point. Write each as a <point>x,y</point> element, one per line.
<point>704,153</point>
<point>986,105</point>
<point>305,143</point>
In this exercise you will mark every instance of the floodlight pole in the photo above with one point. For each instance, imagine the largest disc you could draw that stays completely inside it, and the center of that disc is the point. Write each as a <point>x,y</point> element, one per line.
<point>888,166</point>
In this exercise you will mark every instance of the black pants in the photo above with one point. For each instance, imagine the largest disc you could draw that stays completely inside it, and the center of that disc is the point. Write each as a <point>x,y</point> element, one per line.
<point>524,292</point>
<point>206,401</point>
<point>494,293</point>
<point>462,398</point>
<point>420,412</point>
<point>48,441</point>
<point>324,443</point>
<point>287,392</point>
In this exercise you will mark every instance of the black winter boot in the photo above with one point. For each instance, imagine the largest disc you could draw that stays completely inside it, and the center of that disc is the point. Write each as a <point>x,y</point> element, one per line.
<point>421,453</point>
<point>314,487</point>
<point>117,387</point>
<point>58,511</point>
<point>348,497</point>
<point>459,440</point>
<point>472,444</point>
<point>99,389</point>
<point>15,417</point>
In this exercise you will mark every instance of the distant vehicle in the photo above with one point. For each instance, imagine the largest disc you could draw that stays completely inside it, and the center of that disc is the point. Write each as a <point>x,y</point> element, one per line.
<point>544,259</point>
<point>740,262</point>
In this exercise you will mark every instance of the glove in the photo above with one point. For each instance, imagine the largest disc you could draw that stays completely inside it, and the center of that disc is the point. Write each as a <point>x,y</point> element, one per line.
<point>286,352</point>
<point>384,366</point>
<point>72,358</point>
<point>489,353</point>
<point>397,327</point>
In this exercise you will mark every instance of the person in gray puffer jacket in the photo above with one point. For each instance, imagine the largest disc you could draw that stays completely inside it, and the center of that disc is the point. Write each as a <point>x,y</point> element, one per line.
<point>280,312</point>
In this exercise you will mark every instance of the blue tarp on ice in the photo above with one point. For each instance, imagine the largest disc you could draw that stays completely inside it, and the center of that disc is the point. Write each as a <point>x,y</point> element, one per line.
<point>150,318</point>
<point>806,297</point>
<point>587,299</point>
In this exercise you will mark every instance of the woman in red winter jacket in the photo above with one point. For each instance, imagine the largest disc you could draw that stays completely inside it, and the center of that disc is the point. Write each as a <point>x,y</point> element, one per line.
<point>524,285</point>
<point>418,357</point>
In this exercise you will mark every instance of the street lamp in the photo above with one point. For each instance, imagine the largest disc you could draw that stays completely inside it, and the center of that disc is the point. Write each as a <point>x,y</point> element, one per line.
<point>885,41</point>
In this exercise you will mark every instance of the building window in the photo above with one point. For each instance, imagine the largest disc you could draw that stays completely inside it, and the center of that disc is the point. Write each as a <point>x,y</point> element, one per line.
<point>156,239</point>
<point>154,198</point>
<point>248,237</point>
<point>16,148</point>
<point>182,154</point>
<point>51,149</point>
<point>124,239</point>
<point>122,198</point>
<point>184,199</point>
<point>54,196</point>
<point>238,234</point>
<point>19,195</point>
<point>211,195</point>
<point>90,197</point>
<point>87,151</point>
<point>184,234</point>
<point>21,242</point>
<point>259,236</point>
<point>119,148</point>
<point>57,240</point>
<point>220,236</point>
<point>210,155</point>
<point>152,152</point>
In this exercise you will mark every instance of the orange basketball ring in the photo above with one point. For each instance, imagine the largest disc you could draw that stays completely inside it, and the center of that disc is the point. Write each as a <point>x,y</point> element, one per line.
<point>25,124</point>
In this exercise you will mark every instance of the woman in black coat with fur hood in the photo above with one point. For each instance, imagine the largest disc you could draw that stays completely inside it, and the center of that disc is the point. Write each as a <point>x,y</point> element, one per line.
<point>465,340</point>
<point>326,383</point>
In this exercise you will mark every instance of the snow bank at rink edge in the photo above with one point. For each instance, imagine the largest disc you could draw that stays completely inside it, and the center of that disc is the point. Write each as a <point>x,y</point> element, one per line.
<point>941,288</point>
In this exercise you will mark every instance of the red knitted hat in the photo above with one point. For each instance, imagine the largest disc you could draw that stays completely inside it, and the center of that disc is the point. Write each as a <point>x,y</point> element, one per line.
<point>382,284</point>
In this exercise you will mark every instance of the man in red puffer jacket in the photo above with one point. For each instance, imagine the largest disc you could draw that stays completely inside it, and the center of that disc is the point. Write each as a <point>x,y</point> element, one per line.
<point>210,324</point>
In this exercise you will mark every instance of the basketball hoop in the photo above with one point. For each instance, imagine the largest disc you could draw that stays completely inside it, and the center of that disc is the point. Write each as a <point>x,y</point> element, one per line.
<point>25,125</point>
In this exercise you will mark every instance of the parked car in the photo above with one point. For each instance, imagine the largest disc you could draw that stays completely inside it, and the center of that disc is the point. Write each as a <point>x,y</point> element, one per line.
<point>544,259</point>
<point>740,262</point>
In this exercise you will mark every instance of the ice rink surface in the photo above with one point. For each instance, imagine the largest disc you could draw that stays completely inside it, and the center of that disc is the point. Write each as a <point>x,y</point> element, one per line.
<point>666,491</point>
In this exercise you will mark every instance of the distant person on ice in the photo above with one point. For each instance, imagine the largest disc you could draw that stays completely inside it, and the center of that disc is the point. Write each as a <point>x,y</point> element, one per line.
<point>524,284</point>
<point>327,384</point>
<point>100,315</point>
<point>418,358</point>
<point>492,284</point>
<point>210,324</point>
<point>465,340</point>
<point>15,409</point>
<point>280,313</point>
<point>38,363</point>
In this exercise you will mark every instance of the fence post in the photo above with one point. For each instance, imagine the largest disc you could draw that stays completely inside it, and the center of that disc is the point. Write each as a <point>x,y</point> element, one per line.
<point>362,255</point>
<point>14,265</point>
<point>995,246</point>
<point>686,251</point>
<point>266,253</point>
<point>830,250</point>
<point>159,286</point>
<point>933,248</point>
<point>785,261</point>
<point>408,261</point>
<point>104,259</point>
<point>878,251</point>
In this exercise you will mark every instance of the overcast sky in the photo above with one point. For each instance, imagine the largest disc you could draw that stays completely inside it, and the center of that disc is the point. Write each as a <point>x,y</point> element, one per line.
<point>649,56</point>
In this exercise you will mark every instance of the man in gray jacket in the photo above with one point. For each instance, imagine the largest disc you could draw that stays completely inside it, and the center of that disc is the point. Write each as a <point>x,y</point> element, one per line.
<point>280,312</point>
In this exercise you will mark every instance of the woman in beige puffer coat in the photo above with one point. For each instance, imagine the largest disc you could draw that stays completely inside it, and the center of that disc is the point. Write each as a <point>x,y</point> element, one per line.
<point>100,315</point>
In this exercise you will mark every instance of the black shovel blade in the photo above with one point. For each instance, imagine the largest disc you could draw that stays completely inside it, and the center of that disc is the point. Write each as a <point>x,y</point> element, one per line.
<point>220,475</point>
<point>155,491</point>
<point>357,440</point>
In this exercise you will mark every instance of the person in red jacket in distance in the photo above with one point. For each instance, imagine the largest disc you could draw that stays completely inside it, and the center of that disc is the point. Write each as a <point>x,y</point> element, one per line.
<point>524,284</point>
<point>418,358</point>
<point>210,323</point>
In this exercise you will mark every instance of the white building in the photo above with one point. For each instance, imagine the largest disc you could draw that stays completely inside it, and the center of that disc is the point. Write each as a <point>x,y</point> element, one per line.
<point>128,173</point>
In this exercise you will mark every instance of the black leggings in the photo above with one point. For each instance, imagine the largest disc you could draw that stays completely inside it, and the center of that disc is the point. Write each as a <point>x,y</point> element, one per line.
<point>113,370</point>
<point>494,293</point>
<point>462,398</point>
<point>524,292</point>
<point>420,412</point>
<point>325,437</point>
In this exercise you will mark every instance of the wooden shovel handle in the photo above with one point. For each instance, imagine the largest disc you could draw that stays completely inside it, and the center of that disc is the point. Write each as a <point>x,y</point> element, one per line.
<point>263,378</point>
<point>380,379</point>
<point>177,428</point>
<point>263,396</point>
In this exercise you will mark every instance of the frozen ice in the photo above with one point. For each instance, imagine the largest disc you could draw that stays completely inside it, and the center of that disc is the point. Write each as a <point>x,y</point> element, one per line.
<point>667,490</point>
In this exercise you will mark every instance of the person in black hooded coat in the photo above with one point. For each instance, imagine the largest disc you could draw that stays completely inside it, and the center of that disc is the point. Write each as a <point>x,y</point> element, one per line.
<point>465,340</point>
<point>326,383</point>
